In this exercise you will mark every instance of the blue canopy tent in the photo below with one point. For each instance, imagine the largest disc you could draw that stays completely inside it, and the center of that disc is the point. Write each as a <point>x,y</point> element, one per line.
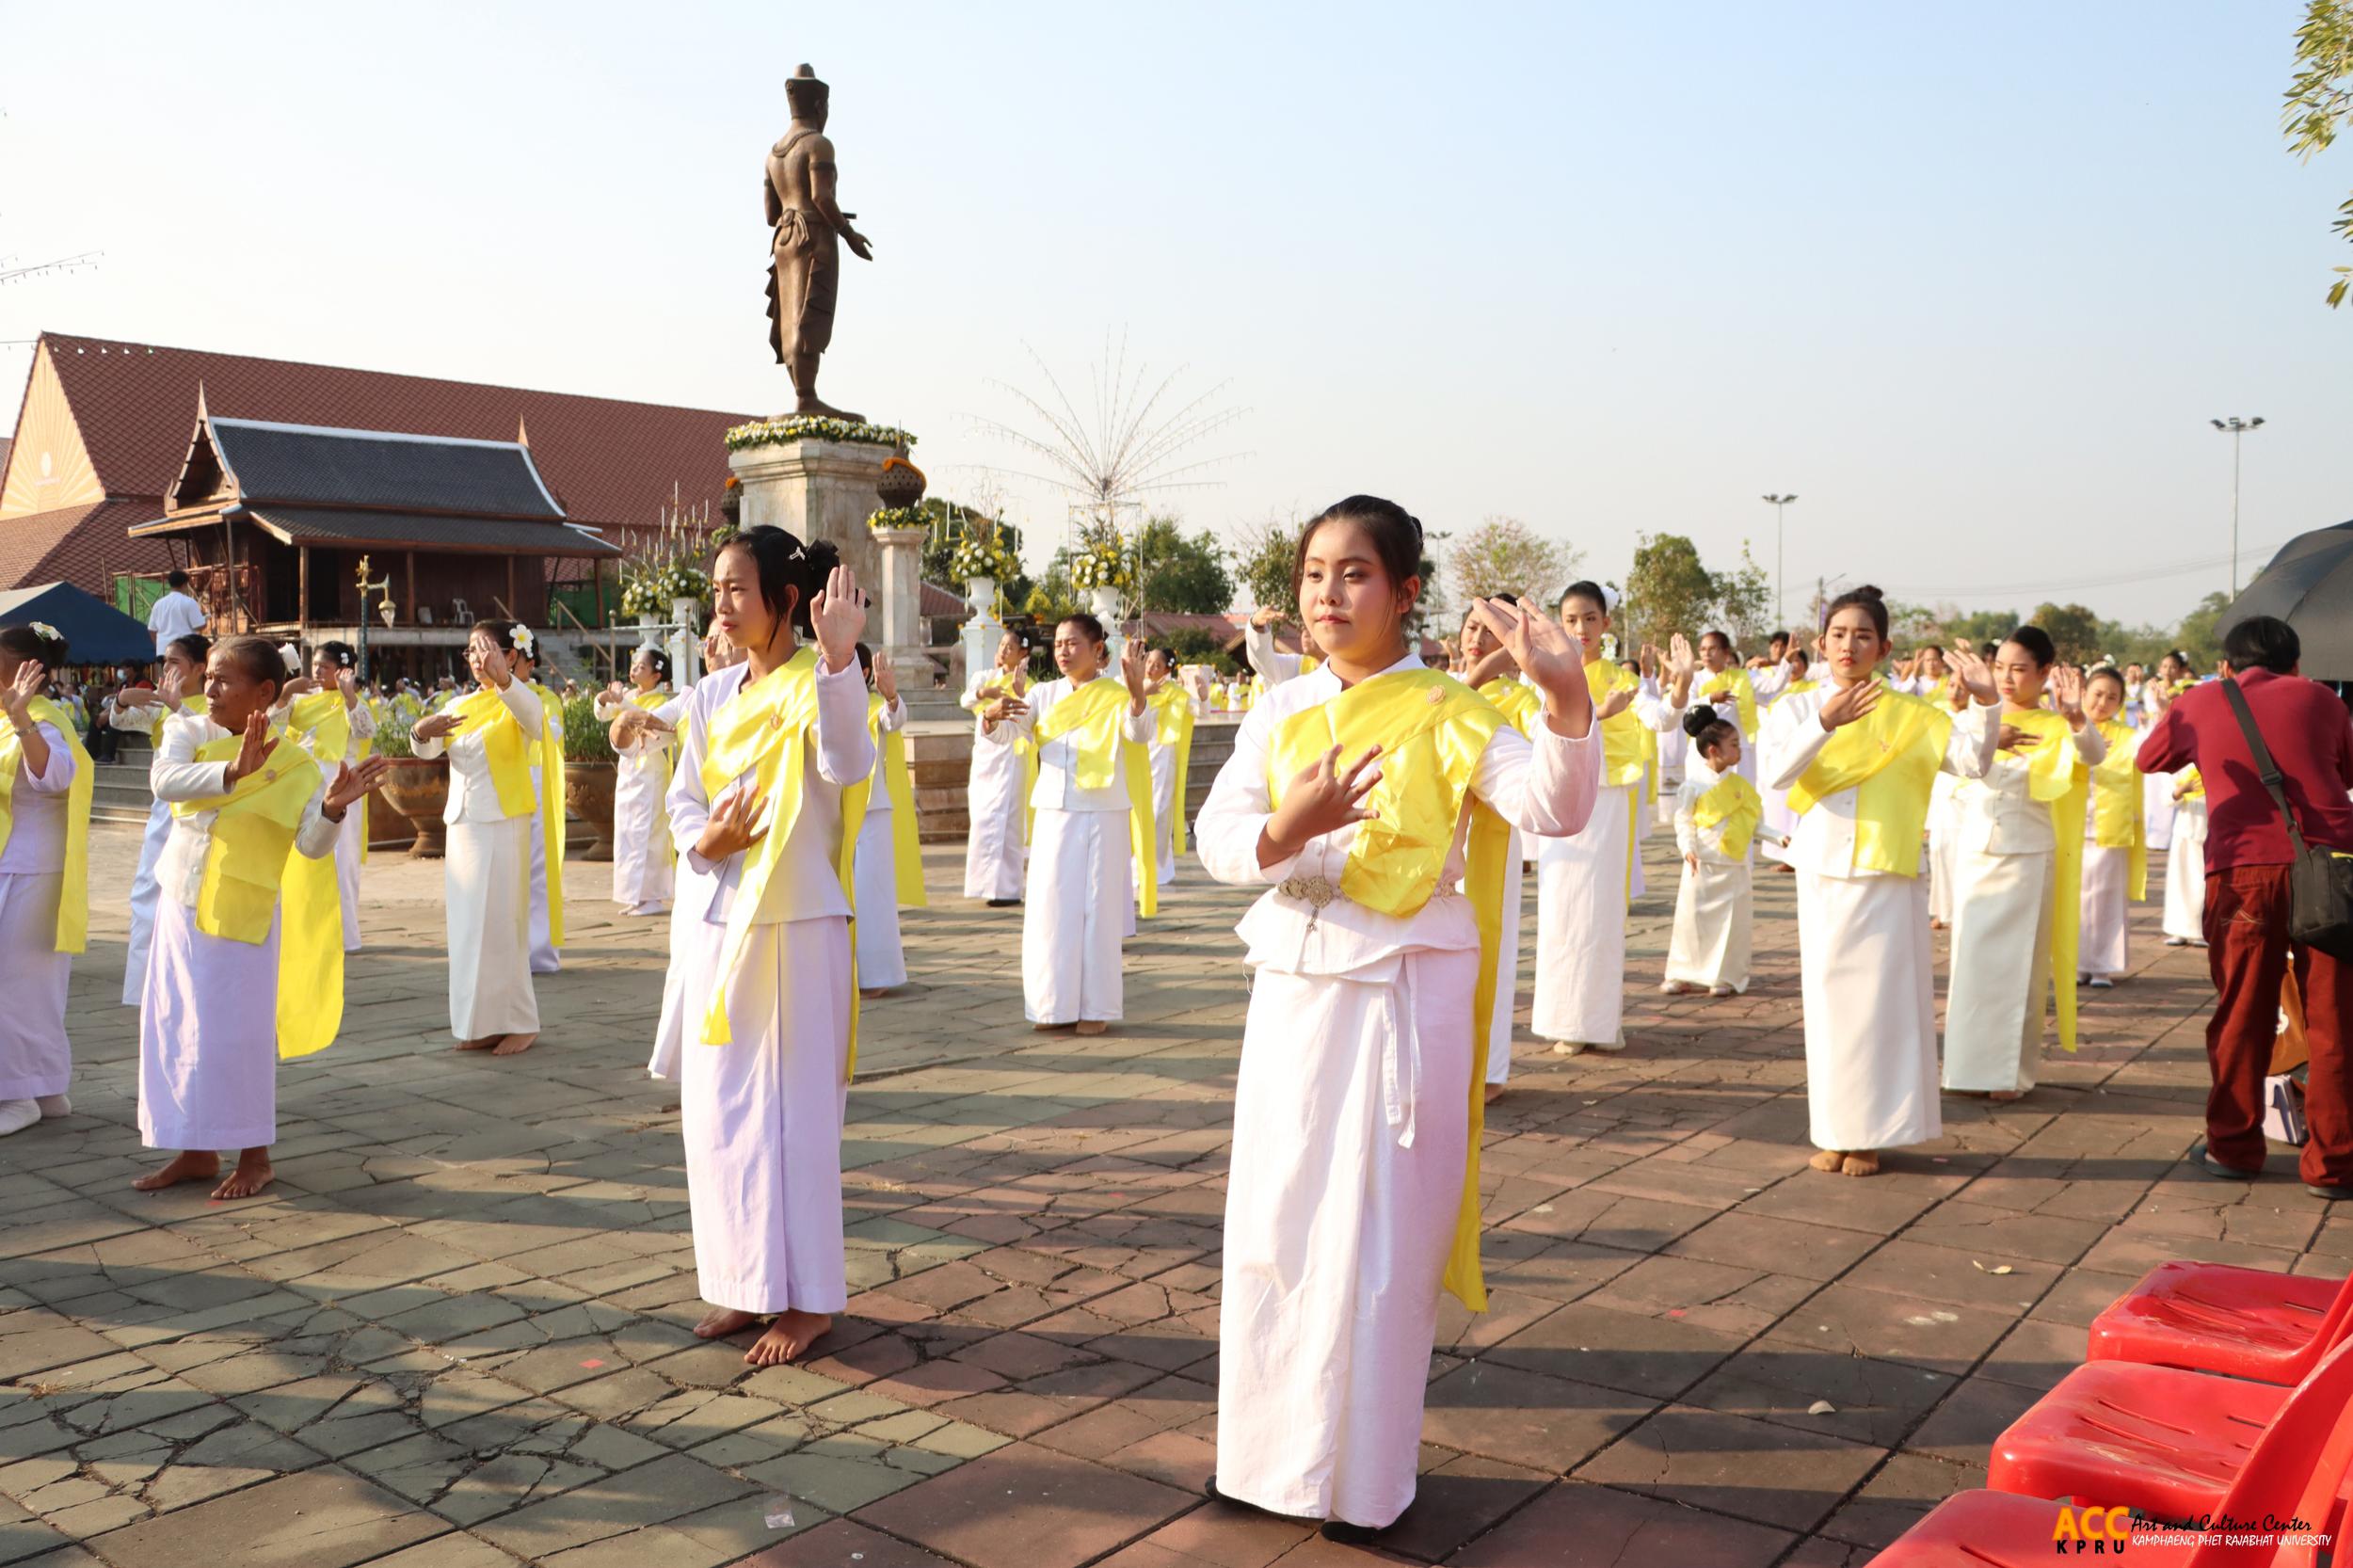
<point>95,631</point>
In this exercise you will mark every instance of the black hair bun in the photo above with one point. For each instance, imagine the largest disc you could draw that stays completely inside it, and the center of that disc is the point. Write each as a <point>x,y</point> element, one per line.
<point>1868,590</point>
<point>1696,719</point>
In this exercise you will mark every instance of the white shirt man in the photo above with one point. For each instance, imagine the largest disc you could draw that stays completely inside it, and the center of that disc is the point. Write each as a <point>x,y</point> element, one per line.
<point>175,615</point>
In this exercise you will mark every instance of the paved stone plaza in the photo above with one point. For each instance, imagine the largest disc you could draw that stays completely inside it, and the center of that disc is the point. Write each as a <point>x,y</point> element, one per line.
<point>455,1333</point>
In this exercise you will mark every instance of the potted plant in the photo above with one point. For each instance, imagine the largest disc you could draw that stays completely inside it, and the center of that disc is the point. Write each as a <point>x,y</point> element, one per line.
<point>589,773</point>
<point>416,787</point>
<point>1101,568</point>
<point>982,559</point>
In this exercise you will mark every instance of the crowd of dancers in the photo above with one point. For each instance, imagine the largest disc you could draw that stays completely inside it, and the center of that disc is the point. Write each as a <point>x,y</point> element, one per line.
<point>1383,811</point>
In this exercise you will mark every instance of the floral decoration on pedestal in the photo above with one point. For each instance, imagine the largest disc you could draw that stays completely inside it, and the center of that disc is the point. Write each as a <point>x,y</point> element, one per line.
<point>818,428</point>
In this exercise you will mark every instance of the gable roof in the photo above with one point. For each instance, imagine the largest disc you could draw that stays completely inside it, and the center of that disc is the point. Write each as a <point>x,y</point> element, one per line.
<point>315,465</point>
<point>86,545</point>
<point>612,463</point>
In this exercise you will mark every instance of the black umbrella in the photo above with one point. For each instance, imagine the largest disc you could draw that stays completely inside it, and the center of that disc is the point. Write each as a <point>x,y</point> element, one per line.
<point>2310,586</point>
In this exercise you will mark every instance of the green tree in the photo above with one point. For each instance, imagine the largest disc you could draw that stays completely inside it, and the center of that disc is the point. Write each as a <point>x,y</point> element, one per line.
<point>1667,591</point>
<point>2196,635</point>
<point>1177,572</point>
<point>1744,603</point>
<point>1503,555</point>
<point>2076,632</point>
<point>2320,98</point>
<point>1264,562</point>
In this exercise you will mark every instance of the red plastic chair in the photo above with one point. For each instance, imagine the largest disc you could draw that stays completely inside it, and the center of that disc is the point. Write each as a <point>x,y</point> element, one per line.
<point>2303,1458</point>
<point>2214,1318</point>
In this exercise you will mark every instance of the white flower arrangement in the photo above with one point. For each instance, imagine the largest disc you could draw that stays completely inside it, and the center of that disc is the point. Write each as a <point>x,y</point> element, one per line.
<point>899,517</point>
<point>794,427</point>
<point>1101,565</point>
<point>651,590</point>
<point>985,554</point>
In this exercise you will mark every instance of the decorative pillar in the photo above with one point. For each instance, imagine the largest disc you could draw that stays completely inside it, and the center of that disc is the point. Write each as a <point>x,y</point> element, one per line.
<point>815,489</point>
<point>899,595</point>
<point>1104,603</point>
<point>982,631</point>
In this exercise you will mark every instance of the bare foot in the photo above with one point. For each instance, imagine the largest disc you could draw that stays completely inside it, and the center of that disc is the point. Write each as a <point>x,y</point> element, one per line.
<point>195,1165</point>
<point>1828,1160</point>
<point>1494,1093</point>
<point>1936,925</point>
<point>720,1321</point>
<point>253,1172</point>
<point>1862,1162</point>
<point>1092,1026</point>
<point>486,1043</point>
<point>788,1338</point>
<point>2003,1097</point>
<point>871,992</point>
<point>514,1045</point>
<point>1049,1028</point>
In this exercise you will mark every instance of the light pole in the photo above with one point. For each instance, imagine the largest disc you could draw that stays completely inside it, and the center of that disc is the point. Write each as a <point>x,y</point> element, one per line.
<point>2237,429</point>
<point>384,585</point>
<point>1777,503</point>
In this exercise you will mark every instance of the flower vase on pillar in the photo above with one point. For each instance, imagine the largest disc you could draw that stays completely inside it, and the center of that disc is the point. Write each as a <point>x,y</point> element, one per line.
<point>1104,603</point>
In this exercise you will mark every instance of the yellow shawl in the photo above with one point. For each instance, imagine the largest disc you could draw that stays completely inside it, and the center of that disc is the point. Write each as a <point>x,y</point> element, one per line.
<point>1173,727</point>
<point>1736,681</point>
<point>907,844</point>
<point>1431,729</point>
<point>1889,758</point>
<point>2057,776</point>
<point>662,756</point>
<point>512,757</point>
<point>2117,805</point>
<point>1093,713</point>
<point>74,897</point>
<point>1733,802</point>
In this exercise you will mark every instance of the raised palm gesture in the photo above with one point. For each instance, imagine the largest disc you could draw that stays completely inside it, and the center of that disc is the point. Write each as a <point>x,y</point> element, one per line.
<point>1972,674</point>
<point>838,617</point>
<point>1325,799</point>
<point>885,678</point>
<point>174,688</point>
<point>1849,703</point>
<point>2066,693</point>
<point>1682,662</point>
<point>1132,669</point>
<point>1547,655</point>
<point>351,783</point>
<point>253,749</point>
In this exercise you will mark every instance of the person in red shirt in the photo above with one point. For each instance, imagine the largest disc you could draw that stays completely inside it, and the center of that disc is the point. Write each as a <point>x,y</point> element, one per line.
<point>2310,736</point>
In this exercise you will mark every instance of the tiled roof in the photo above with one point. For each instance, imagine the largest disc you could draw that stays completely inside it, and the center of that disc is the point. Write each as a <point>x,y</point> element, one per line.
<point>317,465</point>
<point>608,461</point>
<point>939,603</point>
<point>336,527</point>
<point>84,545</point>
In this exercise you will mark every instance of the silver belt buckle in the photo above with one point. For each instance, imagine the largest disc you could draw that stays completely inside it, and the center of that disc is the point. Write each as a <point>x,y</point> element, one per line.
<point>1315,891</point>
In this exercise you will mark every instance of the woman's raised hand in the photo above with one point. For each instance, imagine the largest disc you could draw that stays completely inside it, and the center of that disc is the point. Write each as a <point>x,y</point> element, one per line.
<point>1847,704</point>
<point>886,678</point>
<point>1681,661</point>
<point>253,749</point>
<point>1325,799</point>
<point>1972,674</point>
<point>434,725</point>
<point>172,692</point>
<point>2066,693</point>
<point>1546,653</point>
<point>837,617</point>
<point>17,694</point>
<point>734,824</point>
<point>351,783</point>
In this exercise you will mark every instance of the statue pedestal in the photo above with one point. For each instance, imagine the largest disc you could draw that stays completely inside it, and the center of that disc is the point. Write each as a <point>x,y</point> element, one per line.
<point>897,622</point>
<point>817,489</point>
<point>982,632</point>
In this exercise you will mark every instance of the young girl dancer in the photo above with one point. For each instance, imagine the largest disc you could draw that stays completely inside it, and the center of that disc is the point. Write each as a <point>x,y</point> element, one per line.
<point>179,700</point>
<point>1488,669</point>
<point>771,782</point>
<point>1090,827</point>
<point>1858,760</point>
<point>1716,812</point>
<point>490,736</point>
<point>45,780</point>
<point>644,859</point>
<point>325,717</point>
<point>2018,894</point>
<point>248,960</point>
<point>889,850</point>
<point>1356,795</point>
<point>998,793</point>
<point>2115,845</point>
<point>1170,752</point>
<point>2186,863</point>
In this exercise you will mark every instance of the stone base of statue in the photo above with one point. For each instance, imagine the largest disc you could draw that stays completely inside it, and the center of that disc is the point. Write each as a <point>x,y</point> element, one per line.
<point>822,489</point>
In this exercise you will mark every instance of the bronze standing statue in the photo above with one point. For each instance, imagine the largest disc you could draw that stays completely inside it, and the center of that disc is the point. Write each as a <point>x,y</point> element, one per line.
<point>805,263</point>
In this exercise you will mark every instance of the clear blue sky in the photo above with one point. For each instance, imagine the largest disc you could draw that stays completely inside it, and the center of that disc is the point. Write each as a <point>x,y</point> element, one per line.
<point>1969,281</point>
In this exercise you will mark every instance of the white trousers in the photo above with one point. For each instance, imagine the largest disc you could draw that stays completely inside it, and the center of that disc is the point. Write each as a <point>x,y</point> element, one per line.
<point>2001,979</point>
<point>1714,916</point>
<point>882,960</point>
<point>144,890</point>
<point>1507,964</point>
<point>348,840</point>
<point>762,1118</point>
<point>545,959</point>
<point>35,1056</point>
<point>1866,967</point>
<point>485,885</point>
<point>1079,904</point>
<point>2105,907</point>
<point>1581,927</point>
<point>208,1038</point>
<point>994,853</point>
<point>1164,804</point>
<point>1351,1121</point>
<point>2186,874</point>
<point>643,876</point>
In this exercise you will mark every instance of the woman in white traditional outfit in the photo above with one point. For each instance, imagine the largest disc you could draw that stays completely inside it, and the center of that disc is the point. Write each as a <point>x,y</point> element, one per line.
<point>486,870</point>
<point>1090,817</point>
<point>764,810</point>
<point>889,869</point>
<point>644,859</point>
<point>2116,851</point>
<point>996,847</point>
<point>2186,863</point>
<point>2157,793</point>
<point>1583,884</point>
<point>1777,821</point>
<point>213,1022</point>
<point>179,699</point>
<point>45,781</point>
<point>1725,685</point>
<point>1858,759</point>
<point>1170,750</point>
<point>547,824</point>
<point>2017,895</point>
<point>1485,664</point>
<point>1353,1197</point>
<point>1716,812</point>
<point>1270,666</point>
<point>325,717</point>
<point>1674,742</point>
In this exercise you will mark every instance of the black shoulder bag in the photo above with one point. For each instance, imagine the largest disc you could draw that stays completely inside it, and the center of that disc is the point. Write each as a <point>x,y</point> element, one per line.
<point>2320,882</point>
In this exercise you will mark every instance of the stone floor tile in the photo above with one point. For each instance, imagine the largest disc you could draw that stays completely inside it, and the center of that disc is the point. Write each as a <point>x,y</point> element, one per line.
<point>1579,1525</point>
<point>1027,1507</point>
<point>1580,1343</point>
<point>322,1518</point>
<point>1766,1472</point>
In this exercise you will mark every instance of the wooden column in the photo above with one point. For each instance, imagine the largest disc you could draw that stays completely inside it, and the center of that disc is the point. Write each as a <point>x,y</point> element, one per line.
<point>408,593</point>
<point>302,592</point>
<point>510,590</point>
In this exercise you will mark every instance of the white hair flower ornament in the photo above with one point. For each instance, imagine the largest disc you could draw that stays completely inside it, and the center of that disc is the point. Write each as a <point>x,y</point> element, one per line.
<point>42,629</point>
<point>525,644</point>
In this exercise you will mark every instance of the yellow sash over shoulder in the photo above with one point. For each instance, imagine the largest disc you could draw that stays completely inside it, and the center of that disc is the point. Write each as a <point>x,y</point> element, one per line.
<point>1889,758</point>
<point>196,705</point>
<point>1733,802</point>
<point>320,720</point>
<point>1621,735</point>
<point>251,865</point>
<point>513,755</point>
<point>1516,700</point>
<point>2119,805</point>
<point>74,896</point>
<point>2056,774</point>
<point>907,844</point>
<point>763,729</point>
<point>1171,708</point>
<point>1093,713</point>
<point>1431,729</point>
<point>1735,683</point>
<point>1023,744</point>
<point>660,759</point>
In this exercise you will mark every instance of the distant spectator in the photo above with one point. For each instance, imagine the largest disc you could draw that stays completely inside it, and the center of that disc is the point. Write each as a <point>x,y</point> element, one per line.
<point>2305,728</point>
<point>176,613</point>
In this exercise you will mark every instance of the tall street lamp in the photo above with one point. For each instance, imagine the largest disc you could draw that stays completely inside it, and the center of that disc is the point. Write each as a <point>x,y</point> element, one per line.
<point>1777,503</point>
<point>2237,429</point>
